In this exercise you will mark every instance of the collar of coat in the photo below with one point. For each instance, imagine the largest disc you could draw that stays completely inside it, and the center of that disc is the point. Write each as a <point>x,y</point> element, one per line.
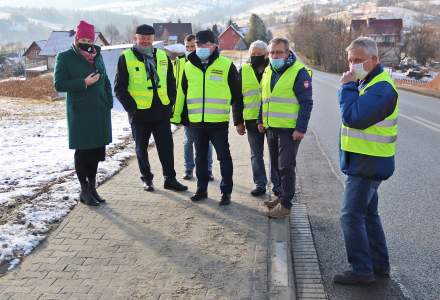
<point>376,71</point>
<point>195,60</point>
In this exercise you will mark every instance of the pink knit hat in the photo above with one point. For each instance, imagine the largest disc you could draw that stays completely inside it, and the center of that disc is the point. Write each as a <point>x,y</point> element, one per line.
<point>85,30</point>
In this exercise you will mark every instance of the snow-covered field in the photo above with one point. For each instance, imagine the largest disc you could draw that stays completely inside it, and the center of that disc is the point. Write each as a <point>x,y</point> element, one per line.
<point>38,186</point>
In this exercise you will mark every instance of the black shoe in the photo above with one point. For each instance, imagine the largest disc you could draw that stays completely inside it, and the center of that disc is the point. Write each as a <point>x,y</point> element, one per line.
<point>94,192</point>
<point>211,177</point>
<point>188,176</point>
<point>174,185</point>
<point>86,196</point>
<point>148,186</point>
<point>383,273</point>
<point>226,200</point>
<point>348,278</point>
<point>199,196</point>
<point>259,191</point>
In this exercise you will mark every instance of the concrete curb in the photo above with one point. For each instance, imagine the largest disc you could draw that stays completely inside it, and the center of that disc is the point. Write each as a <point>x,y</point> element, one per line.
<point>281,275</point>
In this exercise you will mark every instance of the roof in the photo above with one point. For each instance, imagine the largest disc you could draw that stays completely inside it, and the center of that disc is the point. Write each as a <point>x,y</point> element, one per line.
<point>60,41</point>
<point>233,28</point>
<point>377,26</point>
<point>39,44</point>
<point>172,29</point>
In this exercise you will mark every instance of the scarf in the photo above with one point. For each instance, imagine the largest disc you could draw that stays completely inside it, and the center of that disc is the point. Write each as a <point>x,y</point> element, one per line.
<point>148,56</point>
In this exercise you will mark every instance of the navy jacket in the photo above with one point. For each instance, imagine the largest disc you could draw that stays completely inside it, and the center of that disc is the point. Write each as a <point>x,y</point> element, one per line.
<point>361,112</point>
<point>303,91</point>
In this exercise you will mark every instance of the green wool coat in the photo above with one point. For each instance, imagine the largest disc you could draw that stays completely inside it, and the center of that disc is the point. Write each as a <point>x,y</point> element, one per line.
<point>88,109</point>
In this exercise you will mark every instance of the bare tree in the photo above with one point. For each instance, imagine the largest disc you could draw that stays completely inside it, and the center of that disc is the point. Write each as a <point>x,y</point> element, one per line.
<point>112,33</point>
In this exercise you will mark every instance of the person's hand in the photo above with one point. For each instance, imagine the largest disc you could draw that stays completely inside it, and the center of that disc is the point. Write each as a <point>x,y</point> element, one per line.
<point>261,128</point>
<point>241,130</point>
<point>92,79</point>
<point>297,136</point>
<point>348,76</point>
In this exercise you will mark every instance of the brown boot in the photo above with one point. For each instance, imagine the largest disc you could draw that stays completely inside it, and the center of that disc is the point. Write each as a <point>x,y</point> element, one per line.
<point>278,212</point>
<point>272,203</point>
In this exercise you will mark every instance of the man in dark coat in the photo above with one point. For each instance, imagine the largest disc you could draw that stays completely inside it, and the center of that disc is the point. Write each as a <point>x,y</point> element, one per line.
<point>80,71</point>
<point>146,87</point>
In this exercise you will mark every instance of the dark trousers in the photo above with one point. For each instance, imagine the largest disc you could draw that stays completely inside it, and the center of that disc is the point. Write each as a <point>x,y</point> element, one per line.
<point>256,143</point>
<point>219,139</point>
<point>86,163</point>
<point>363,233</point>
<point>283,150</point>
<point>163,139</point>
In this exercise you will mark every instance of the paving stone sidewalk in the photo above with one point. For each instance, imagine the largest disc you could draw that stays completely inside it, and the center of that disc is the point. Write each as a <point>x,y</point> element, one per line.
<point>157,245</point>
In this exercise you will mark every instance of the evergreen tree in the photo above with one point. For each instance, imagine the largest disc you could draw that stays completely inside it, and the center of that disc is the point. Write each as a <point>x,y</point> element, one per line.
<point>257,30</point>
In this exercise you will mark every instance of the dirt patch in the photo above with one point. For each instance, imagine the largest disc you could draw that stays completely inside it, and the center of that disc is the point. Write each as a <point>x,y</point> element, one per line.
<point>35,88</point>
<point>23,109</point>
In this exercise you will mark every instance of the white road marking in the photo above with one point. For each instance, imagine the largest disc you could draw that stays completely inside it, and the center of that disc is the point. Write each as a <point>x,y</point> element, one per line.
<point>427,121</point>
<point>421,122</point>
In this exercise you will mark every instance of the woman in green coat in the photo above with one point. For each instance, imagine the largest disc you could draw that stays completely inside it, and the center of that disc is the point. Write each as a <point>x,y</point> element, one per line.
<point>80,71</point>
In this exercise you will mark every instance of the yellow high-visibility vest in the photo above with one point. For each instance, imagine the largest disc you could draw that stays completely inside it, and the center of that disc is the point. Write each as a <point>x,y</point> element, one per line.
<point>280,104</point>
<point>251,90</point>
<point>140,86</point>
<point>378,139</point>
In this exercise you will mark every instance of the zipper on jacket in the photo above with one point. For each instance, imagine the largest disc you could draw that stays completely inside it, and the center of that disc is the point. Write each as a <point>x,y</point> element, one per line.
<point>203,104</point>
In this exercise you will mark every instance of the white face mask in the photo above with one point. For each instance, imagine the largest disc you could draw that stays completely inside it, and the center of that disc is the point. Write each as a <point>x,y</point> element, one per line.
<point>359,70</point>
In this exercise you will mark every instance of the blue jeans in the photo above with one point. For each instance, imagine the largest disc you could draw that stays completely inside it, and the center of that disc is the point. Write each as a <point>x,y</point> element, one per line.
<point>188,151</point>
<point>363,234</point>
<point>256,143</point>
<point>219,139</point>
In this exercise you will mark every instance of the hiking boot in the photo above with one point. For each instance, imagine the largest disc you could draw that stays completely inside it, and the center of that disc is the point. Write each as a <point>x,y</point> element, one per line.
<point>278,212</point>
<point>86,196</point>
<point>174,185</point>
<point>148,186</point>
<point>272,203</point>
<point>226,200</point>
<point>259,191</point>
<point>188,176</point>
<point>199,196</point>
<point>348,278</point>
<point>92,184</point>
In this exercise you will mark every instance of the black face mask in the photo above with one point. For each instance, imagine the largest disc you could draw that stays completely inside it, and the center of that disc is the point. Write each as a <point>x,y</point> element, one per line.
<point>86,47</point>
<point>258,61</point>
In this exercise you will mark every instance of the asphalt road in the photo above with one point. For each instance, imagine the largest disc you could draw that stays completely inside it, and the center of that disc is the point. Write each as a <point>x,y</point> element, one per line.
<point>409,201</point>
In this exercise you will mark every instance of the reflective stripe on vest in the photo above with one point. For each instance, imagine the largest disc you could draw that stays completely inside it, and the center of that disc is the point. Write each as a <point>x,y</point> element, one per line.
<point>379,139</point>
<point>280,104</point>
<point>208,96</point>
<point>140,86</point>
<point>251,90</point>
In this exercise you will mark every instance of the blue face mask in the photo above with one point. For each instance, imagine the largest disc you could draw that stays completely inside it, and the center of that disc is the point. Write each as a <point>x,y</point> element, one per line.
<point>203,53</point>
<point>277,63</point>
<point>187,53</point>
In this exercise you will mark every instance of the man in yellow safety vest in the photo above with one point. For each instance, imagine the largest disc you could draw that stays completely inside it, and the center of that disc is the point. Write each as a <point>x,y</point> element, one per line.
<point>209,87</point>
<point>245,111</point>
<point>286,90</point>
<point>146,87</point>
<point>368,101</point>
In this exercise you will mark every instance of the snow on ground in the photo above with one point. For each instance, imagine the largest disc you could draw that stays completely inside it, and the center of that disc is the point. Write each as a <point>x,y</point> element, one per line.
<point>38,185</point>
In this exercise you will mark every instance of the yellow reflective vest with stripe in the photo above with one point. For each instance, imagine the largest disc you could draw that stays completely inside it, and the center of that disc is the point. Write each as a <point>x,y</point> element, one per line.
<point>280,104</point>
<point>178,66</point>
<point>208,96</point>
<point>378,139</point>
<point>251,90</point>
<point>140,86</point>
